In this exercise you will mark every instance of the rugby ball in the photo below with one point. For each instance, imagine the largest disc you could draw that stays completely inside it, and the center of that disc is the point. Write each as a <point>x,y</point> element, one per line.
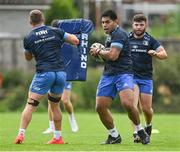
<point>98,46</point>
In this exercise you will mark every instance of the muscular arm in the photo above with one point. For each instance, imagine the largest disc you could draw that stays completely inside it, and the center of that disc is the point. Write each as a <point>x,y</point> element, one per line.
<point>160,53</point>
<point>111,55</point>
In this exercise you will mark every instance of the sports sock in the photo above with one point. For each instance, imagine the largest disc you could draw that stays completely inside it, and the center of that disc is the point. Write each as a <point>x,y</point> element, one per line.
<point>147,125</point>
<point>113,132</point>
<point>57,134</point>
<point>21,131</point>
<point>71,115</point>
<point>51,125</point>
<point>138,127</point>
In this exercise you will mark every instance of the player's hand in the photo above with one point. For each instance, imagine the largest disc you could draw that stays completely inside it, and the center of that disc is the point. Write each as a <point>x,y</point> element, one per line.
<point>152,52</point>
<point>94,52</point>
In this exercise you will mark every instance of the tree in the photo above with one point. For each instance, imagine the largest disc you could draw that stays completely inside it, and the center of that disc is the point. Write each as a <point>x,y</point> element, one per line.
<point>61,9</point>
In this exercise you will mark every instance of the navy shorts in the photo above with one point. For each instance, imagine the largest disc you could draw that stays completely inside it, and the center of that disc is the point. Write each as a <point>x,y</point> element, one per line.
<point>145,86</point>
<point>109,85</point>
<point>53,82</point>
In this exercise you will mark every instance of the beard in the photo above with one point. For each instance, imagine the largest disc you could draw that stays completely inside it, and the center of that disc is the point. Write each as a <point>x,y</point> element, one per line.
<point>139,33</point>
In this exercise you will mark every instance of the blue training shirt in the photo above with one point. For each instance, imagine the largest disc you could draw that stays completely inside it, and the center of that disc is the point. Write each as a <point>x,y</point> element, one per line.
<point>142,61</point>
<point>44,43</point>
<point>123,65</point>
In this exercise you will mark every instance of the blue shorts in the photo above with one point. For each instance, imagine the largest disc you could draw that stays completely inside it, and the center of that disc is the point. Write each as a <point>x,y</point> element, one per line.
<point>109,85</point>
<point>68,85</point>
<point>53,82</point>
<point>145,86</point>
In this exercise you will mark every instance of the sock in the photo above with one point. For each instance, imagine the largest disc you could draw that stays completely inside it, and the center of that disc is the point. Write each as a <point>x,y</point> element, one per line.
<point>51,125</point>
<point>147,125</point>
<point>57,134</point>
<point>137,127</point>
<point>71,116</point>
<point>113,132</point>
<point>21,131</point>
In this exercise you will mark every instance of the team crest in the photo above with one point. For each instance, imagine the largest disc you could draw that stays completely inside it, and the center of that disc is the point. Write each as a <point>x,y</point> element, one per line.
<point>145,43</point>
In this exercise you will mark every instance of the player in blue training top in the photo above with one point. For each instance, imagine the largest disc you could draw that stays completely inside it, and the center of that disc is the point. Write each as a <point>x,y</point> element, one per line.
<point>43,44</point>
<point>143,48</point>
<point>117,78</point>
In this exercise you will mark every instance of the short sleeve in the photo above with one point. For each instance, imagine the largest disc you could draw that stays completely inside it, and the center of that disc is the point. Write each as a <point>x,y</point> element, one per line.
<point>118,40</point>
<point>26,45</point>
<point>155,44</point>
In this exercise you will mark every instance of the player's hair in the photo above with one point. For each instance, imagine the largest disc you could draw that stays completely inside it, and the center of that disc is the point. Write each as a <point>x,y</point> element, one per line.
<point>111,14</point>
<point>54,23</point>
<point>36,17</point>
<point>139,18</point>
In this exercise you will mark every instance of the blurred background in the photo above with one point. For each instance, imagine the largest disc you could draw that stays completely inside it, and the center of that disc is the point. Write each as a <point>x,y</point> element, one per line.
<point>16,73</point>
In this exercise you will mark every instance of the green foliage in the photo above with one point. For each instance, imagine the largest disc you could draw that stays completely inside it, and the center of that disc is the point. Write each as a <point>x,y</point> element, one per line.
<point>167,83</point>
<point>61,9</point>
<point>15,91</point>
<point>168,29</point>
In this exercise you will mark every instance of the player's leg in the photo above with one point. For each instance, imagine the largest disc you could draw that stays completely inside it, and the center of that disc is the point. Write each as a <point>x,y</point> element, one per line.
<point>136,103</point>
<point>146,90</point>
<point>39,87</point>
<point>126,94</point>
<point>51,122</point>
<point>54,97</point>
<point>69,107</point>
<point>146,104</point>
<point>105,93</point>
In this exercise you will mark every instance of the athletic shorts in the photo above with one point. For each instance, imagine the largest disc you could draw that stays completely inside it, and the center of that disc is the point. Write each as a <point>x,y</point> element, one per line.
<point>145,86</point>
<point>68,85</point>
<point>109,86</point>
<point>53,82</point>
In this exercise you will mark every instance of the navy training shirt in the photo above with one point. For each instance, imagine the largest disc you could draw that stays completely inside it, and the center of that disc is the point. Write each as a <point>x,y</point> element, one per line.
<point>142,61</point>
<point>123,65</point>
<point>44,43</point>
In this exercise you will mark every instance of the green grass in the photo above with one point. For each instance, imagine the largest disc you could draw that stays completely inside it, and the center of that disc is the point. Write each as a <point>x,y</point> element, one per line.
<point>90,135</point>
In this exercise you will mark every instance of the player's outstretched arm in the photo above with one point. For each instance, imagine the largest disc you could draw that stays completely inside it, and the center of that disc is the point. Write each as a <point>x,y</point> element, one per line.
<point>72,39</point>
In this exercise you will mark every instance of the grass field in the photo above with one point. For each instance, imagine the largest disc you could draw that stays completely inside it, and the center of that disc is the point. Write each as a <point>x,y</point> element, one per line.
<point>90,135</point>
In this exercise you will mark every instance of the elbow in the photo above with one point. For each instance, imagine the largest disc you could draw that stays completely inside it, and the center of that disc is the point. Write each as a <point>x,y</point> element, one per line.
<point>113,58</point>
<point>165,56</point>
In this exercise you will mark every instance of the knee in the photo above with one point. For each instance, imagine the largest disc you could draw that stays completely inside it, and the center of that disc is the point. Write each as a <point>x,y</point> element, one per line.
<point>128,104</point>
<point>99,108</point>
<point>65,100</point>
<point>147,110</point>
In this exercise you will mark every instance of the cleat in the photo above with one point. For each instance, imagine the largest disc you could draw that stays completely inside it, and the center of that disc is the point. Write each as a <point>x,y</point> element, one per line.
<point>136,138</point>
<point>145,139</point>
<point>73,124</point>
<point>48,131</point>
<point>19,139</point>
<point>112,140</point>
<point>56,141</point>
<point>148,129</point>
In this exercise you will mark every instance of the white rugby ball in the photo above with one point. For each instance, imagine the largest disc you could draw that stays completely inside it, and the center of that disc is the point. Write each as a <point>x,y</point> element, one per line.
<point>98,46</point>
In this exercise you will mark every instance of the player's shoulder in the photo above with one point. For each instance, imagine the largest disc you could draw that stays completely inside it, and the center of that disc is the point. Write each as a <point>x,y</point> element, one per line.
<point>149,37</point>
<point>120,32</point>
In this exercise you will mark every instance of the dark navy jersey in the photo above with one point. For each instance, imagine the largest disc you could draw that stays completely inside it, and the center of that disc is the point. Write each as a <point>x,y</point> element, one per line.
<point>118,38</point>
<point>142,61</point>
<point>44,43</point>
